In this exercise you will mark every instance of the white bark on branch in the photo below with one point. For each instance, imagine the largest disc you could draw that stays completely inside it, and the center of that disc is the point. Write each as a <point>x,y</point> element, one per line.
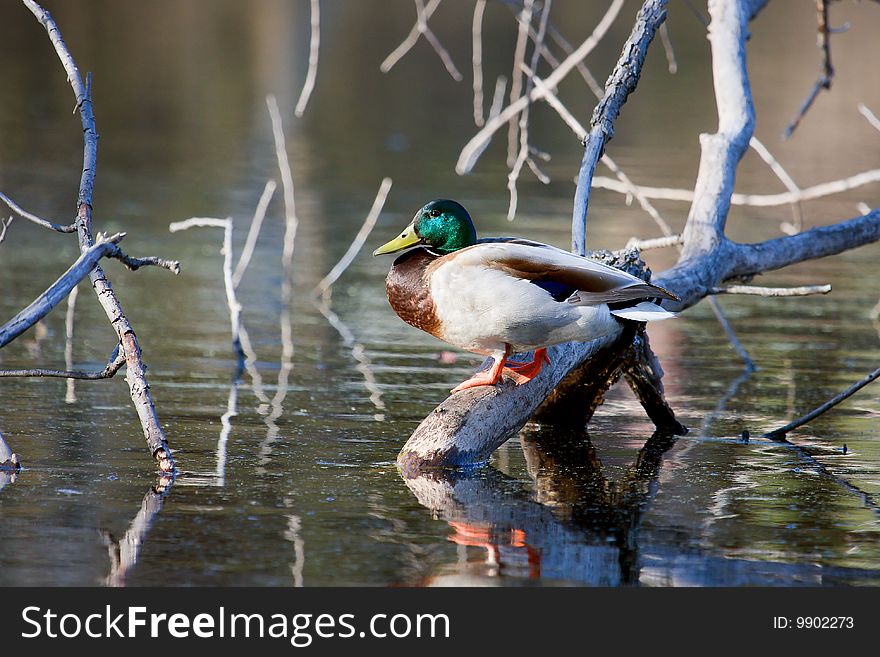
<point>475,147</point>
<point>753,200</point>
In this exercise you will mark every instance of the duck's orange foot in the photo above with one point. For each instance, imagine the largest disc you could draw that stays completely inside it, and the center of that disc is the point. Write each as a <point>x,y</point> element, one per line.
<point>524,372</point>
<point>487,378</point>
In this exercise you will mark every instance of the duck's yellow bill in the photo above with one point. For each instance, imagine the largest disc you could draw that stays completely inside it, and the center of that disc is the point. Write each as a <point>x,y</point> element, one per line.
<point>406,239</point>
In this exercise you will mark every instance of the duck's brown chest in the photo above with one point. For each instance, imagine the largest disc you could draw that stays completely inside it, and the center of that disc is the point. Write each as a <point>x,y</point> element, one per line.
<point>409,291</point>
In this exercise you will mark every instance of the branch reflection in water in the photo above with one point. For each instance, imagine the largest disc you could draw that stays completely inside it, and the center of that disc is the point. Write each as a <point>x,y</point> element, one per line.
<point>577,525</point>
<point>124,553</point>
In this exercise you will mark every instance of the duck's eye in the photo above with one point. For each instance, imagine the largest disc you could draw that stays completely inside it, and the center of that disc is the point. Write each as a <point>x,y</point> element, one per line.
<point>435,213</point>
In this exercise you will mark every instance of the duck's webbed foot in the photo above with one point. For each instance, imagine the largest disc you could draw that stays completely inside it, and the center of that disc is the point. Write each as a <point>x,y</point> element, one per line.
<point>524,372</point>
<point>486,377</point>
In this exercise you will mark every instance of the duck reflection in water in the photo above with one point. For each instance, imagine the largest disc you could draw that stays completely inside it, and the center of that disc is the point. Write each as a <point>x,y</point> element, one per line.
<point>576,526</point>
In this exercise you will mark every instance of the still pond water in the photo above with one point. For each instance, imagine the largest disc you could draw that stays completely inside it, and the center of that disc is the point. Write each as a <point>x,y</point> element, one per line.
<point>288,477</point>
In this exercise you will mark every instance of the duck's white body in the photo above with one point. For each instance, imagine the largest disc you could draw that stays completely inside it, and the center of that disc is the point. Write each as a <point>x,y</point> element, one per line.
<point>485,297</point>
<point>501,309</point>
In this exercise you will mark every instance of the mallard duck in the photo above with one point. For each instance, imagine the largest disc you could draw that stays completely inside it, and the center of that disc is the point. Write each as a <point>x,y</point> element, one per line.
<point>501,296</point>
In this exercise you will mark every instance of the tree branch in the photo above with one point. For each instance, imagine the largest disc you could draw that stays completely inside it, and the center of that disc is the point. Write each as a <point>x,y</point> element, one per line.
<point>114,364</point>
<point>40,307</point>
<point>620,84</point>
<point>136,370</point>
<point>45,223</point>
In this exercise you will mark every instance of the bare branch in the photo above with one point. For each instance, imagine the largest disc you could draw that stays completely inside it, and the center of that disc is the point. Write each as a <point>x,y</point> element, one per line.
<point>522,155</point>
<point>45,223</point>
<point>869,115</point>
<point>70,393</point>
<point>779,434</point>
<point>524,21</point>
<point>114,364</point>
<point>654,243</point>
<point>139,388</point>
<point>477,61</point>
<point>787,180</point>
<point>826,74</point>
<point>398,53</point>
<point>256,223</point>
<point>291,220</point>
<point>314,45</point>
<point>802,291</point>
<point>4,226</point>
<point>666,40</point>
<point>475,147</point>
<point>231,300</point>
<point>53,295</point>
<point>423,13</point>
<point>431,38</point>
<point>354,248</point>
<point>753,200</point>
<point>620,84</point>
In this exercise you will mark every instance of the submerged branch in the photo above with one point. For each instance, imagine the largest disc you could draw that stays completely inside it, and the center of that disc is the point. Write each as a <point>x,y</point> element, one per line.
<point>779,434</point>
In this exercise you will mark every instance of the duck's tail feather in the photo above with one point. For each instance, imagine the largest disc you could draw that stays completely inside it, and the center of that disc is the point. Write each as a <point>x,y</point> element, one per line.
<point>645,311</point>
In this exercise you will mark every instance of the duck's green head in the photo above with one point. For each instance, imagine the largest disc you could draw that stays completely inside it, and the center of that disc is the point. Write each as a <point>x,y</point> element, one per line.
<point>443,225</point>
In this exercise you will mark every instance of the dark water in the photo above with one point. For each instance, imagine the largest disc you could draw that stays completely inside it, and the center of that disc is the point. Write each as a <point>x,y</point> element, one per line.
<point>289,478</point>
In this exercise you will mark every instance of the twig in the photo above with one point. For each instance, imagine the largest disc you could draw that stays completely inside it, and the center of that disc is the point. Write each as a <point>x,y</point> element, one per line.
<point>779,433</point>
<point>696,12</point>
<point>475,147</point>
<point>826,74</point>
<point>398,53</point>
<point>753,200</point>
<point>653,243</point>
<point>671,63</point>
<point>24,214</point>
<point>869,115</point>
<point>515,6</point>
<point>70,394</point>
<point>253,233</point>
<point>323,288</point>
<point>620,84</point>
<point>421,28</point>
<point>787,180</point>
<point>291,220</point>
<point>523,154</point>
<point>52,296</point>
<point>114,364</point>
<point>524,20</point>
<point>285,320</point>
<point>803,291</point>
<point>4,226</point>
<point>231,300</point>
<point>731,334</point>
<point>477,61</point>
<point>431,38</point>
<point>314,45</point>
